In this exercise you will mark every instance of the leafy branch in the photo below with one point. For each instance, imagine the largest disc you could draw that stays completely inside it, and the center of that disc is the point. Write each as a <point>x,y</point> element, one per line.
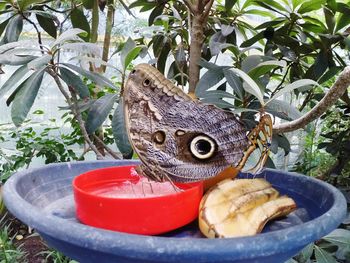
<point>335,92</point>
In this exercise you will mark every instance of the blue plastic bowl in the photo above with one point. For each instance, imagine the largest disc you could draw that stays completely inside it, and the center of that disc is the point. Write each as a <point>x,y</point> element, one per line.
<point>43,199</point>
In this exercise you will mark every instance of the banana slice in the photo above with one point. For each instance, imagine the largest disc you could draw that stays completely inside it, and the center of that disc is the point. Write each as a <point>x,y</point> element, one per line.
<point>241,207</point>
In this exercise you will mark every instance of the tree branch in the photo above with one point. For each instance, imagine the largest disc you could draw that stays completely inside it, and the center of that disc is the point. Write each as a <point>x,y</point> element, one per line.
<point>73,104</point>
<point>37,32</point>
<point>197,39</point>
<point>190,6</point>
<point>336,91</point>
<point>109,150</point>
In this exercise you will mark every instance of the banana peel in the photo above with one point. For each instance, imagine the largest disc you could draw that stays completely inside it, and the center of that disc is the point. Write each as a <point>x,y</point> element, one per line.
<point>241,207</point>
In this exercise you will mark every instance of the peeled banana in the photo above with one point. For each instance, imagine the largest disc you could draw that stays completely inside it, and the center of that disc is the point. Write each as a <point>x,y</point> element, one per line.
<point>241,207</point>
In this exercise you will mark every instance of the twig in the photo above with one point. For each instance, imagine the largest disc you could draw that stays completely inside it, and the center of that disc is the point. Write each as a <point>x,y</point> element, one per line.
<point>109,150</point>
<point>207,7</point>
<point>37,32</point>
<point>336,91</point>
<point>73,103</point>
<point>55,10</point>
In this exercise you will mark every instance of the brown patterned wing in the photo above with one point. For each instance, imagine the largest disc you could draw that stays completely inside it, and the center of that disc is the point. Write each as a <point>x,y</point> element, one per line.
<point>258,151</point>
<point>175,136</point>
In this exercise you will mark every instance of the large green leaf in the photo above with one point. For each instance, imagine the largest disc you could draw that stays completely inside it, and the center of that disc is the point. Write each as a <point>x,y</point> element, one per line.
<point>13,29</point>
<point>283,110</point>
<point>235,82</point>
<point>83,48</point>
<point>79,20</point>
<point>69,35</point>
<point>47,24</point>
<point>311,5</point>
<point>229,4</point>
<point>14,80</point>
<point>218,102</point>
<point>25,97</point>
<point>339,237</point>
<point>99,111</point>
<point>73,80</point>
<point>3,25</point>
<point>330,19</point>
<point>128,46</point>
<point>23,4</point>
<point>119,131</point>
<point>251,86</point>
<point>292,86</point>
<point>208,80</point>
<point>215,43</point>
<point>133,53</point>
<point>322,256</point>
<point>39,62</point>
<point>343,21</point>
<point>96,78</point>
<point>88,4</point>
<point>15,60</point>
<point>265,67</point>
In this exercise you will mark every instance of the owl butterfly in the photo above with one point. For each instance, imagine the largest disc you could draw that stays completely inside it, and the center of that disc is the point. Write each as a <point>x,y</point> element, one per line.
<point>181,139</point>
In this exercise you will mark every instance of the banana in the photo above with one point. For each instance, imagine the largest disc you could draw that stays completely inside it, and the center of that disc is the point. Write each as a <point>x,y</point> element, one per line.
<point>241,207</point>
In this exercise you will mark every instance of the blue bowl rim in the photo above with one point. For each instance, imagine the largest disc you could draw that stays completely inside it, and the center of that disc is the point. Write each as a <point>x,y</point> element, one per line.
<point>139,246</point>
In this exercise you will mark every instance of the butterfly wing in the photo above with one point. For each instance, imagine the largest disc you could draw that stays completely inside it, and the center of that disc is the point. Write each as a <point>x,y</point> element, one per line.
<point>257,153</point>
<point>175,136</point>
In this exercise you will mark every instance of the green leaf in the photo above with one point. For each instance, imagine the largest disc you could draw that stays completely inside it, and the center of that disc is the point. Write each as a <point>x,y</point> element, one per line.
<point>215,43</point>
<point>274,4</point>
<point>265,67</point>
<point>83,48</point>
<point>250,62</point>
<point>251,86</point>
<point>39,62</point>
<point>292,86</point>
<point>23,4</point>
<point>119,131</point>
<point>226,30</point>
<point>96,78</point>
<point>311,5</point>
<point>97,61</point>
<point>128,46</point>
<point>15,60</point>
<point>306,253</point>
<point>206,64</point>
<point>13,29</point>
<point>48,25</point>
<point>73,80</point>
<point>88,4</point>
<point>235,82</point>
<point>14,80</point>
<point>69,35</point>
<point>99,111</point>
<point>229,4</point>
<point>208,80</point>
<point>79,20</point>
<point>283,110</point>
<point>260,13</point>
<point>155,13</point>
<point>343,21</point>
<point>3,25</point>
<point>330,20</point>
<point>339,237</point>
<point>218,102</point>
<point>322,256</point>
<point>25,97</point>
<point>132,55</point>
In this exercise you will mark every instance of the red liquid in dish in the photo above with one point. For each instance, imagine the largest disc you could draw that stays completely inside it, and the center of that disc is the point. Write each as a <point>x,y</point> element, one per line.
<point>141,187</point>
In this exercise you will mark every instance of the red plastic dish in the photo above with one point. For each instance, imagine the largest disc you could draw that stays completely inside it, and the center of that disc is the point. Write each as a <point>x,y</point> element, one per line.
<point>147,215</point>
